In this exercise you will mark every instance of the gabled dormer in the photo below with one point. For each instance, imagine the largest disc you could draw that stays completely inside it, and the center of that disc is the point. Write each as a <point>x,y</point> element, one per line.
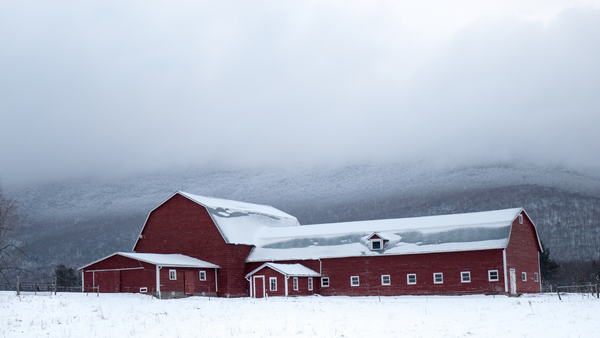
<point>376,242</point>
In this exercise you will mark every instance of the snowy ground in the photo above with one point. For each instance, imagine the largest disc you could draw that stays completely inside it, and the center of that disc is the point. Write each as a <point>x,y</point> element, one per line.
<point>134,315</point>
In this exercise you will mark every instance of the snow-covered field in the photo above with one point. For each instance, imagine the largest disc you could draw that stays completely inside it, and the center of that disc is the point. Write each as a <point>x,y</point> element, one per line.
<point>134,315</point>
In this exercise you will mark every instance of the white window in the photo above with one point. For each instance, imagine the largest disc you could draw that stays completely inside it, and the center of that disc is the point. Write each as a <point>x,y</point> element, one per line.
<point>465,277</point>
<point>411,278</point>
<point>524,276</point>
<point>520,219</point>
<point>273,283</point>
<point>202,275</point>
<point>143,289</point>
<point>310,284</point>
<point>376,244</point>
<point>173,274</point>
<point>325,282</point>
<point>493,275</point>
<point>295,283</point>
<point>535,277</point>
<point>385,280</point>
<point>438,278</point>
<point>354,281</point>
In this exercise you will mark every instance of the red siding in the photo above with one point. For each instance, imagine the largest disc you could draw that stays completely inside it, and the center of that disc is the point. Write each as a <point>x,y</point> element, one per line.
<point>182,226</point>
<point>450,264</point>
<point>522,255</point>
<point>120,280</point>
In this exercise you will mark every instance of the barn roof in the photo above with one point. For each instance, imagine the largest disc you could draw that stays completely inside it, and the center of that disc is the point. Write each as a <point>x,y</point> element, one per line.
<point>294,270</point>
<point>168,260</point>
<point>238,222</point>
<point>458,232</point>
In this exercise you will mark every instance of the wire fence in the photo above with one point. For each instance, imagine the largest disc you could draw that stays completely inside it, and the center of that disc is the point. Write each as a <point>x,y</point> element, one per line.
<point>46,288</point>
<point>590,289</point>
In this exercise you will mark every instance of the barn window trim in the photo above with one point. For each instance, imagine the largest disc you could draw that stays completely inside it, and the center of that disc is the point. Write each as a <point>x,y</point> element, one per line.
<point>493,276</point>
<point>411,279</point>
<point>465,276</point>
<point>202,275</point>
<point>324,282</point>
<point>386,280</point>
<point>438,278</point>
<point>310,283</point>
<point>520,218</point>
<point>354,281</point>
<point>272,283</point>
<point>173,274</point>
<point>524,276</point>
<point>295,283</point>
<point>536,277</point>
<point>143,290</point>
<point>376,244</point>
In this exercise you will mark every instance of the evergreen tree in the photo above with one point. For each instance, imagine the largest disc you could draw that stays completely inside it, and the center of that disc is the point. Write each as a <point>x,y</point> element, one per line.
<point>548,266</point>
<point>65,276</point>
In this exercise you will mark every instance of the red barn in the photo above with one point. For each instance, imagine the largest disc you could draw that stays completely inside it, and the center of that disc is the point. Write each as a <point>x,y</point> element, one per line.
<point>251,246</point>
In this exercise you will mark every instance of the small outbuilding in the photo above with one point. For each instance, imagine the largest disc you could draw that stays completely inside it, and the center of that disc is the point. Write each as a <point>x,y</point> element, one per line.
<point>163,275</point>
<point>275,279</point>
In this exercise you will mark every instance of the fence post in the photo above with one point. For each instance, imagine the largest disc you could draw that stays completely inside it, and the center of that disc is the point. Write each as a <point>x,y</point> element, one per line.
<point>558,293</point>
<point>18,285</point>
<point>597,290</point>
<point>98,291</point>
<point>55,280</point>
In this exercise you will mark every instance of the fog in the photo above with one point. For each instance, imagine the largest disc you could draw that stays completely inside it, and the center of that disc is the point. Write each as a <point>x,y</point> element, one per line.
<point>116,88</point>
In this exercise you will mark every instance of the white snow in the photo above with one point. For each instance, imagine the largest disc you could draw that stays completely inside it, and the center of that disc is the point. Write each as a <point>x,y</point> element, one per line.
<point>171,260</point>
<point>296,270</point>
<point>239,222</point>
<point>135,315</point>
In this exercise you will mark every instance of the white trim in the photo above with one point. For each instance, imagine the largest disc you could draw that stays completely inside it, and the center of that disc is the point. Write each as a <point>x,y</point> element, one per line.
<point>200,273</point>
<point>82,281</point>
<point>271,279</point>
<point>441,276</point>
<point>378,240</point>
<point>408,275</point>
<point>158,267</point>
<point>520,218</point>
<point>285,280</point>
<point>505,271</point>
<point>325,279</point>
<point>295,283</point>
<point>389,278</point>
<point>310,283</point>
<point>536,277</point>
<point>263,284</point>
<point>115,269</point>
<point>143,290</point>
<point>490,276</point>
<point>523,276</point>
<point>352,281</point>
<point>172,274</point>
<point>216,284</point>
<point>462,276</point>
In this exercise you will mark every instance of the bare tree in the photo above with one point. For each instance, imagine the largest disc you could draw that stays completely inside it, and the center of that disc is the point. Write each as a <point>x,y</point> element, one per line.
<point>9,228</point>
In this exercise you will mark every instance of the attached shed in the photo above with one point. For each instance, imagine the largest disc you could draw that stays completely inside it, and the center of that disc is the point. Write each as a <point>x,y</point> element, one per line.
<point>163,275</point>
<point>274,279</point>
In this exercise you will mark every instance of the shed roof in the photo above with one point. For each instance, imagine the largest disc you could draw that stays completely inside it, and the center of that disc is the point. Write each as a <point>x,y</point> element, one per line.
<point>293,270</point>
<point>168,260</point>
<point>458,232</point>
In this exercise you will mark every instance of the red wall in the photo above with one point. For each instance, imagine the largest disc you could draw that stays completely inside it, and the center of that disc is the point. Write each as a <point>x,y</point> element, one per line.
<point>450,264</point>
<point>120,280</point>
<point>522,255</point>
<point>182,226</point>
<point>178,285</point>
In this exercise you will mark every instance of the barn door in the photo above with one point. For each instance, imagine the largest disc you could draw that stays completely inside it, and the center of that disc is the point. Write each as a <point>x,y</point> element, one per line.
<point>258,286</point>
<point>189,282</point>
<point>513,282</point>
<point>108,281</point>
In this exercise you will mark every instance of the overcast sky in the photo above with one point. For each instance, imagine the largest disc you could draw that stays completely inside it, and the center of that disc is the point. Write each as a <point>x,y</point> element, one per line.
<point>120,87</point>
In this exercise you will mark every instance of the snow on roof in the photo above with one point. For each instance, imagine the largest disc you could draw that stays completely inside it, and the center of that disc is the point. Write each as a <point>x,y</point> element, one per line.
<point>169,260</point>
<point>294,270</point>
<point>239,222</point>
<point>458,232</point>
